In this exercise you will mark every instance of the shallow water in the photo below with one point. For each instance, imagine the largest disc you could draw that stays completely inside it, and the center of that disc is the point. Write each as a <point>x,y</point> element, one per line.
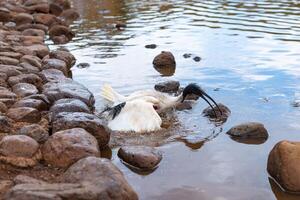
<point>250,50</point>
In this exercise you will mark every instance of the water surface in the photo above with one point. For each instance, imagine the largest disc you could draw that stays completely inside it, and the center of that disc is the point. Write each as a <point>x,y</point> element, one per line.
<point>250,51</point>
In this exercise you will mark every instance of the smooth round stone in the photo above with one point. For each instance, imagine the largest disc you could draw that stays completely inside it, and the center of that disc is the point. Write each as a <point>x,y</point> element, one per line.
<point>24,89</point>
<point>24,114</point>
<point>35,131</point>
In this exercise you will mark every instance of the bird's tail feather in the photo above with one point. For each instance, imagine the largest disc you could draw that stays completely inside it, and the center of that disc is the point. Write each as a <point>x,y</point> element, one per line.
<point>109,94</point>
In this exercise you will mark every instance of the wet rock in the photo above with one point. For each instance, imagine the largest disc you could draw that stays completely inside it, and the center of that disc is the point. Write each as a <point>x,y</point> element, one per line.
<point>167,86</point>
<point>33,26</point>
<point>26,78</point>
<point>209,112</point>
<point>35,131</point>
<point>55,9</point>
<point>11,54</point>
<point>41,7</point>
<point>34,32</point>
<point>65,56</point>
<point>150,46</point>
<point>251,130</point>
<point>68,89</point>
<point>3,108</point>
<point>165,7</point>
<point>120,25</point>
<point>24,89</point>
<point>165,63</point>
<point>33,60</point>
<point>62,3</point>
<point>28,68</point>
<point>24,114</point>
<point>55,64</point>
<point>19,150</point>
<point>142,157</point>
<point>89,122</point>
<point>83,65</point>
<point>40,50</point>
<point>5,15</point>
<point>59,30</point>
<point>31,103</point>
<point>41,97</point>
<point>283,165</point>
<point>197,59</point>
<point>69,15</point>
<point>108,180</point>
<point>46,19</point>
<point>187,55</point>
<point>51,75</point>
<point>23,18</point>
<point>69,105</point>
<point>10,70</point>
<point>5,93</point>
<point>186,105</point>
<point>8,60</point>
<point>5,124</point>
<point>66,147</point>
<point>62,39</point>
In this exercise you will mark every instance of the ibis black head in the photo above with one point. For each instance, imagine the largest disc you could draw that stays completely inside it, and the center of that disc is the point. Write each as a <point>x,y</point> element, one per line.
<point>195,89</point>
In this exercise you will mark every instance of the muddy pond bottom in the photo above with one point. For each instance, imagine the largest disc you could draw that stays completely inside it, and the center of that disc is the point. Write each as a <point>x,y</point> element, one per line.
<point>245,54</point>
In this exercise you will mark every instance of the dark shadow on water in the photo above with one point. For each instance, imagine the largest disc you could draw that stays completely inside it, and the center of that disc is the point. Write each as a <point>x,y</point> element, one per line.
<point>254,141</point>
<point>137,170</point>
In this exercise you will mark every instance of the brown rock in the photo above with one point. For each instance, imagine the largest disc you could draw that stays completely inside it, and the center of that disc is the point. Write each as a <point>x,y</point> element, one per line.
<point>40,50</point>
<point>51,75</point>
<point>8,101</point>
<point>33,26</point>
<point>8,60</point>
<point>26,78</point>
<point>58,30</point>
<point>55,64</point>
<point>34,2</point>
<point>3,108</point>
<point>165,63</point>
<point>89,122</point>
<point>24,89</point>
<point>31,40</point>
<point>249,130</point>
<point>5,184</point>
<point>24,114</point>
<point>21,179</point>
<point>100,172</point>
<point>11,54</point>
<point>5,124</point>
<point>5,93</point>
<point>28,68</point>
<point>143,157</point>
<point>210,113</point>
<point>31,103</point>
<point>41,97</point>
<point>69,105</point>
<point>283,165</point>
<point>66,147</point>
<point>33,60</point>
<point>69,15</point>
<point>67,57</point>
<point>167,86</point>
<point>46,19</point>
<point>5,15</point>
<point>34,32</point>
<point>62,39</point>
<point>23,18</point>
<point>35,131</point>
<point>10,70</point>
<point>55,9</point>
<point>41,7</point>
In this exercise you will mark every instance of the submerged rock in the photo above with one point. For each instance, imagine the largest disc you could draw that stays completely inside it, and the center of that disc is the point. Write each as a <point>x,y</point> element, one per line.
<point>142,157</point>
<point>167,86</point>
<point>66,147</point>
<point>165,63</point>
<point>83,65</point>
<point>209,112</point>
<point>283,165</point>
<point>251,132</point>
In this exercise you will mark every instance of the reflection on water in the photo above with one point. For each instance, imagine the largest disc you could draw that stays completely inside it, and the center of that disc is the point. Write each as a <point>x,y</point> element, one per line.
<point>250,52</point>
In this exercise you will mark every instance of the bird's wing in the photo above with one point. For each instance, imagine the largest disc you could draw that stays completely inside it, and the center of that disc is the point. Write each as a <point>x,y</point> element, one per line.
<point>112,96</point>
<point>137,115</point>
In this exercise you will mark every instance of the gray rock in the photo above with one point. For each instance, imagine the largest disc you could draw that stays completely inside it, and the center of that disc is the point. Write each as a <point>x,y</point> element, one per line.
<point>167,86</point>
<point>89,122</point>
<point>32,103</point>
<point>69,105</point>
<point>24,114</point>
<point>208,111</point>
<point>26,78</point>
<point>41,97</point>
<point>51,75</point>
<point>142,157</point>
<point>35,131</point>
<point>249,130</point>
<point>28,68</point>
<point>33,60</point>
<point>66,147</point>
<point>55,64</point>
<point>67,57</point>
<point>21,179</point>
<point>24,89</point>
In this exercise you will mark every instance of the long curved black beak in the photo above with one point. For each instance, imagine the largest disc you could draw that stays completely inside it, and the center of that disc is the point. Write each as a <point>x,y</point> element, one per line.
<point>195,89</point>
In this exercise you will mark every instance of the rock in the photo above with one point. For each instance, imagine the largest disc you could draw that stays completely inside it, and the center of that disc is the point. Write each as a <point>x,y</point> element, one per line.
<point>251,130</point>
<point>8,101</point>
<point>150,46</point>
<point>143,157</point>
<point>8,60</point>
<point>68,89</point>
<point>59,30</point>
<point>5,184</point>
<point>33,60</point>
<point>24,114</point>
<point>10,70</point>
<point>24,89</point>
<point>21,179</point>
<point>62,3</point>
<point>41,7</point>
<point>66,147</point>
<point>165,63</point>
<point>165,6</point>
<point>23,18</point>
<point>83,65</point>
<point>5,15</point>
<point>34,32</point>
<point>19,150</point>
<point>120,25</point>
<point>33,26</point>
<point>187,55</point>
<point>46,19</point>
<point>89,122</point>
<point>62,39</point>
<point>28,68</point>
<point>55,64</point>
<point>26,78</point>
<point>41,97</point>
<point>283,165</point>
<point>41,50</point>
<point>55,9</point>
<point>35,131</point>
<point>31,40</point>
<point>69,105</point>
<point>5,124</point>
<point>3,108</point>
<point>31,103</point>
<point>106,177</point>
<point>5,93</point>
<point>65,56</point>
<point>167,86</point>
<point>52,75</point>
<point>34,2</point>
<point>208,112</point>
<point>186,105</point>
<point>197,59</point>
<point>11,54</point>
<point>69,15</point>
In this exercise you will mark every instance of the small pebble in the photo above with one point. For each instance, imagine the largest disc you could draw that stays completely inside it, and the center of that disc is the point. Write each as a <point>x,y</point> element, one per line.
<point>150,46</point>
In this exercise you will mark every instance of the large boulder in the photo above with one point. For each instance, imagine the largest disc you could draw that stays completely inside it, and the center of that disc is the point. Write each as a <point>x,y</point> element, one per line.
<point>89,122</point>
<point>69,105</point>
<point>66,147</point>
<point>283,165</point>
<point>51,75</point>
<point>142,157</point>
<point>19,150</point>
